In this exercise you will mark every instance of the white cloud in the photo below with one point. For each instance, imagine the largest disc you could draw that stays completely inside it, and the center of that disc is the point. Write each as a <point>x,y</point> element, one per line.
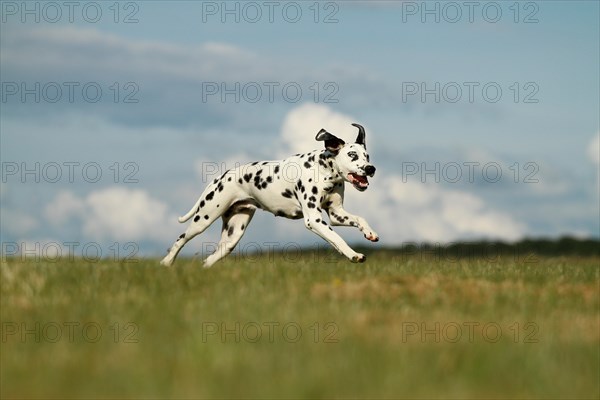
<point>64,206</point>
<point>413,211</point>
<point>123,214</point>
<point>116,214</point>
<point>301,125</point>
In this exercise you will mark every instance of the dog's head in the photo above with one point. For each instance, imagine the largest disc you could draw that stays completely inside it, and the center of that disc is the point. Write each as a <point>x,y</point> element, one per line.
<point>352,160</point>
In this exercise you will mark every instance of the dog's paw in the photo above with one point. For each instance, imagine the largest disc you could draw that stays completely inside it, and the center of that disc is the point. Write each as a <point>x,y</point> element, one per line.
<point>359,258</point>
<point>372,236</point>
<point>166,263</point>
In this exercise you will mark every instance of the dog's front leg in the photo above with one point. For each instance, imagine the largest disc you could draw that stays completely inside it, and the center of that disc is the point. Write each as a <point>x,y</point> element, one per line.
<point>340,217</point>
<point>314,221</point>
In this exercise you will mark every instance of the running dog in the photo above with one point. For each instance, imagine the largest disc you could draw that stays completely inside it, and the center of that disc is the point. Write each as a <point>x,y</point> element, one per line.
<point>301,186</point>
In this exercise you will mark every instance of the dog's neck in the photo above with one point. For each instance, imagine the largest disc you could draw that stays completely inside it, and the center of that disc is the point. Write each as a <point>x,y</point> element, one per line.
<point>330,172</point>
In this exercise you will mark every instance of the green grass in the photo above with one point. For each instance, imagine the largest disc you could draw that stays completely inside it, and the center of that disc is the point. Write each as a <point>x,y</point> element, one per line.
<point>363,328</point>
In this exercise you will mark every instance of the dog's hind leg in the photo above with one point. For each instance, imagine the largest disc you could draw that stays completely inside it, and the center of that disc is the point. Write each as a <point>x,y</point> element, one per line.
<point>198,226</point>
<point>212,204</point>
<point>235,223</point>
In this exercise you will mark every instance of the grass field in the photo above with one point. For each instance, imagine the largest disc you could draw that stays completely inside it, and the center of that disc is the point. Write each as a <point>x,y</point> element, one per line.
<point>394,327</point>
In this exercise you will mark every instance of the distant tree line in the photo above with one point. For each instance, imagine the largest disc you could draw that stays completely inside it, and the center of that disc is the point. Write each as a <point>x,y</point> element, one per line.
<point>564,246</point>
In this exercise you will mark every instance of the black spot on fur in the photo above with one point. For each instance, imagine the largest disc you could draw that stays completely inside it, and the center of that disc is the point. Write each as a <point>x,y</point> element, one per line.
<point>301,186</point>
<point>264,184</point>
<point>311,205</point>
<point>229,179</point>
<point>215,181</point>
<point>206,217</point>
<point>264,163</point>
<point>182,236</point>
<point>202,204</point>
<point>196,218</point>
<point>276,170</point>
<point>287,194</point>
<point>243,226</point>
<point>259,172</point>
<point>312,198</point>
<point>315,190</point>
<point>307,164</point>
<point>230,231</point>
<point>210,196</point>
<point>323,222</point>
<point>318,220</point>
<point>269,179</point>
<point>338,218</point>
<point>254,163</point>
<point>247,177</point>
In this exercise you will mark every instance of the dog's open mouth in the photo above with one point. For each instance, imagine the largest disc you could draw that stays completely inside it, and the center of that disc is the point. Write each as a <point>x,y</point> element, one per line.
<point>359,182</point>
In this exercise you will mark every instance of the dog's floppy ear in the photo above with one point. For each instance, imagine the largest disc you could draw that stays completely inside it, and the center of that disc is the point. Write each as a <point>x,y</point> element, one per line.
<point>332,143</point>
<point>361,135</point>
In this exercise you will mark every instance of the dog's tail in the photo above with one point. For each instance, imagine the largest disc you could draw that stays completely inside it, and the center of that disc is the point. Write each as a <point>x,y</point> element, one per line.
<point>190,213</point>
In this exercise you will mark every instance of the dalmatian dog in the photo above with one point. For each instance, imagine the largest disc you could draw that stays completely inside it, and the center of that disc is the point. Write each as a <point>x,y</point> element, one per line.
<point>301,186</point>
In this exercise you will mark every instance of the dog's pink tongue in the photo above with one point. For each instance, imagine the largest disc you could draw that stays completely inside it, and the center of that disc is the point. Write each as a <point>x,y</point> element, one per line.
<point>360,179</point>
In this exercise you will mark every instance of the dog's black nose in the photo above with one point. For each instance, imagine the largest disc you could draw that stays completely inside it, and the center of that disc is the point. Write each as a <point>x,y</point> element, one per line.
<point>370,170</point>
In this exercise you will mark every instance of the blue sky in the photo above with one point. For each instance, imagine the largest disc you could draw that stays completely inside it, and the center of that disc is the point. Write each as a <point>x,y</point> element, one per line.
<point>367,61</point>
